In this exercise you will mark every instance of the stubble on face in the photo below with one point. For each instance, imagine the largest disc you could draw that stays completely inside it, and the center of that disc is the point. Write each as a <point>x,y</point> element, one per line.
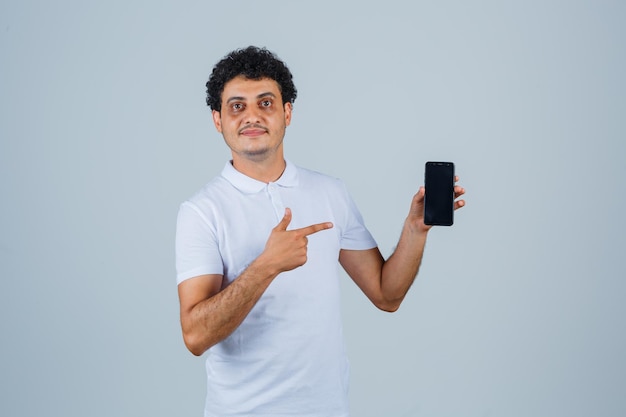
<point>260,151</point>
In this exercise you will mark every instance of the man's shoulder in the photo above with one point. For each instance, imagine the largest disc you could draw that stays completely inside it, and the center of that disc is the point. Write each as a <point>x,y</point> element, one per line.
<point>215,187</point>
<point>314,176</point>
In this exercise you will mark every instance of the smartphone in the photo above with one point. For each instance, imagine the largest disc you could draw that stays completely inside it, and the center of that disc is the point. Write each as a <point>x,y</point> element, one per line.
<point>439,197</point>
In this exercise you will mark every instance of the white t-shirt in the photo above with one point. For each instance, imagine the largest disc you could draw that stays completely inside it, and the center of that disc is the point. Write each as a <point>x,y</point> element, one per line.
<point>287,358</point>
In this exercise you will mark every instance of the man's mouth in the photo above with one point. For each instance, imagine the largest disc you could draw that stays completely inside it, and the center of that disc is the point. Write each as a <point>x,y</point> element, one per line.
<point>253,131</point>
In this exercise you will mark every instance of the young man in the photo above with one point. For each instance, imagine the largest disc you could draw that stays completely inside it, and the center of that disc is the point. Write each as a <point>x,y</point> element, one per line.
<point>257,251</point>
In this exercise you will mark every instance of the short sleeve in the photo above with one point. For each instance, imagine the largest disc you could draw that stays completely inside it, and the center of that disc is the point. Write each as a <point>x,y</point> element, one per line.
<point>197,249</point>
<point>355,235</point>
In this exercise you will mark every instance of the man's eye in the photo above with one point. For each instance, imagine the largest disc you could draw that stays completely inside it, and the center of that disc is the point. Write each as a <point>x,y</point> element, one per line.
<point>237,106</point>
<point>266,103</point>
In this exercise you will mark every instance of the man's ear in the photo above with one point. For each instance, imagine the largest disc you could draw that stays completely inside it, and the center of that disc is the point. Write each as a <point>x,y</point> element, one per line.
<point>288,108</point>
<point>217,120</point>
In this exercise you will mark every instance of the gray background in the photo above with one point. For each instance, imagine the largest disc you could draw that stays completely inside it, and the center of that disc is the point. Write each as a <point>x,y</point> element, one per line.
<point>518,310</point>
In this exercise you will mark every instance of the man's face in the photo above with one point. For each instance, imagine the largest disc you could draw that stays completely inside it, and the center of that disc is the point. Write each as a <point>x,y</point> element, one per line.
<point>253,118</point>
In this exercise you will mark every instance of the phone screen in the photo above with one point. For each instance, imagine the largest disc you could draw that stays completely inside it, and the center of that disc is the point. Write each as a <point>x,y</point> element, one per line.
<point>439,198</point>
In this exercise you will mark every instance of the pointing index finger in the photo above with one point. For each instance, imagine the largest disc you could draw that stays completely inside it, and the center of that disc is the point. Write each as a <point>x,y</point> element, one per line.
<point>314,228</point>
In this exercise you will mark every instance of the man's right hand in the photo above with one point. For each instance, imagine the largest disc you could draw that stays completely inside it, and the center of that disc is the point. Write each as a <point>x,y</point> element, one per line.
<point>287,249</point>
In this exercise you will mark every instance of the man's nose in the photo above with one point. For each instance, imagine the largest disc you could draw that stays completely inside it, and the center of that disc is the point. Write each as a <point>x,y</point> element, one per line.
<point>252,115</point>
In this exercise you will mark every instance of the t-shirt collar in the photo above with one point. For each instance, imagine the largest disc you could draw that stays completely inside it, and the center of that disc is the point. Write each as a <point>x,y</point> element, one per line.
<point>245,184</point>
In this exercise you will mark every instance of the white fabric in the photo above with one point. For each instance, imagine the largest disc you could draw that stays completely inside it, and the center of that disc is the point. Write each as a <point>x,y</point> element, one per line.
<point>287,358</point>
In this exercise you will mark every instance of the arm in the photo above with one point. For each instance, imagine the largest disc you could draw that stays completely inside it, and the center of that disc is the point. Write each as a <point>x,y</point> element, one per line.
<point>386,283</point>
<point>209,315</point>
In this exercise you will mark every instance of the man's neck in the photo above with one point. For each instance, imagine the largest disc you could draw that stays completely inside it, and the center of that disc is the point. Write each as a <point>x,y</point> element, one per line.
<point>265,171</point>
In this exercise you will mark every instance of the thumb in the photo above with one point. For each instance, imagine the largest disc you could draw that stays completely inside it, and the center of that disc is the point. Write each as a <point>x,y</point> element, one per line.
<point>282,225</point>
<point>420,194</point>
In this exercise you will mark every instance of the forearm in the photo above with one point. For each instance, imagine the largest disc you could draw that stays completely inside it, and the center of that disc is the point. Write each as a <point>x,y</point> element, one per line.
<point>215,318</point>
<point>386,283</point>
<point>400,270</point>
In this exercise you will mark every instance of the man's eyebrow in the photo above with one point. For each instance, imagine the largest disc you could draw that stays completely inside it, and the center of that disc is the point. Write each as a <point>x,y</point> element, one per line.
<point>238,98</point>
<point>268,94</point>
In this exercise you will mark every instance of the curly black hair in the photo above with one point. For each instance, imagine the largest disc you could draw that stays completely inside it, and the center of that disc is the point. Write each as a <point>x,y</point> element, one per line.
<point>253,63</point>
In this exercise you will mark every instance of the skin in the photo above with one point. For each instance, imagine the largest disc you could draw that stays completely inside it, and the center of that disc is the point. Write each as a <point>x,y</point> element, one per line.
<point>253,121</point>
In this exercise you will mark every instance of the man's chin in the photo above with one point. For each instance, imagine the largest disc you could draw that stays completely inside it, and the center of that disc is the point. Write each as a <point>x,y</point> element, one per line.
<point>256,155</point>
